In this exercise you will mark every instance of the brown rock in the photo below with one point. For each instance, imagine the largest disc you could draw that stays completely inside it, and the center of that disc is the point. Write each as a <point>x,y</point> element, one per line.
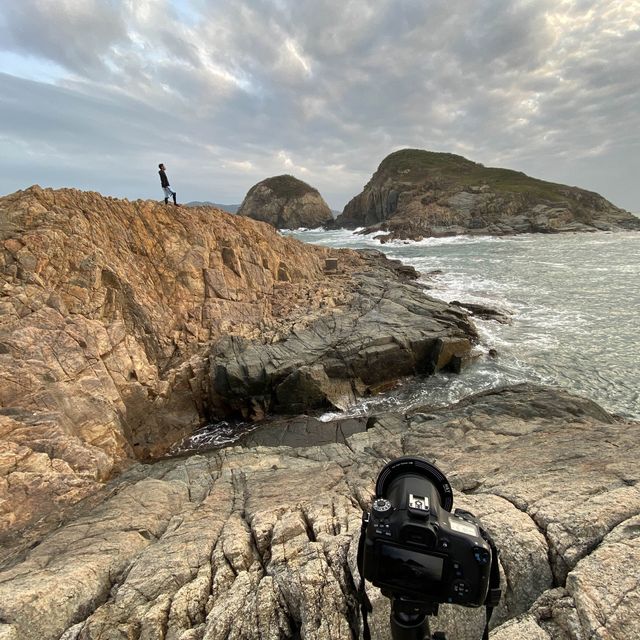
<point>113,314</point>
<point>286,203</point>
<point>104,304</point>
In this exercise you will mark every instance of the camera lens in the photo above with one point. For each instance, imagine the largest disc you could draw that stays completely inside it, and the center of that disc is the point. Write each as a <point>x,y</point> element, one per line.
<point>428,481</point>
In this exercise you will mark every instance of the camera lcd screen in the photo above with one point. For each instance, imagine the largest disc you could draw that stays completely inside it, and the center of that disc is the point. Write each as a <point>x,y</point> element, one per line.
<point>409,570</point>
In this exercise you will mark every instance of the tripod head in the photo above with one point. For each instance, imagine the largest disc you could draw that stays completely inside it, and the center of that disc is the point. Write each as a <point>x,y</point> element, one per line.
<point>411,622</point>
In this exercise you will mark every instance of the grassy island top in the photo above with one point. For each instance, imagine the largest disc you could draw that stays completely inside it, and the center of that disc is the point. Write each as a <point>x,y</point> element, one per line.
<point>286,186</point>
<point>417,166</point>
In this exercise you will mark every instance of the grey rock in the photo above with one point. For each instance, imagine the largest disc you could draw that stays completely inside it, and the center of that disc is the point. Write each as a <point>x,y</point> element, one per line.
<point>389,330</point>
<point>261,542</point>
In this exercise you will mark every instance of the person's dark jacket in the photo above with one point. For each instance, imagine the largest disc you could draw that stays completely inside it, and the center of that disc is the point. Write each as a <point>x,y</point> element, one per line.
<point>164,181</point>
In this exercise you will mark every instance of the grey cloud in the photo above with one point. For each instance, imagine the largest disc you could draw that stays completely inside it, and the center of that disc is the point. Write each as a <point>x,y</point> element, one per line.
<point>334,83</point>
<point>74,35</point>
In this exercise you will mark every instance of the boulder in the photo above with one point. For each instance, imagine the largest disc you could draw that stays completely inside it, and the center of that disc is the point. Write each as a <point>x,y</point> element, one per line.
<point>286,203</point>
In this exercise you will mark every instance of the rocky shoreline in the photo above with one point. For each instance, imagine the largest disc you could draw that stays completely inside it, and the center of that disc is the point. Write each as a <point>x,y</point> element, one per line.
<point>125,325</point>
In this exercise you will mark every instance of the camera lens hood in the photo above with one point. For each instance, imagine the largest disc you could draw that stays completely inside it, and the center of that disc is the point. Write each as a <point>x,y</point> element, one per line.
<point>419,466</point>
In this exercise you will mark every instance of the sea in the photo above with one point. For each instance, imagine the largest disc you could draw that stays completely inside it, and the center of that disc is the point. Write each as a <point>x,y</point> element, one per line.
<point>574,305</point>
<point>573,300</point>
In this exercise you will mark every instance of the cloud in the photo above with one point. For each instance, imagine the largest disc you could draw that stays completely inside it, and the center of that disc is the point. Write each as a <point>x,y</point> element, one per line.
<point>235,92</point>
<point>72,33</point>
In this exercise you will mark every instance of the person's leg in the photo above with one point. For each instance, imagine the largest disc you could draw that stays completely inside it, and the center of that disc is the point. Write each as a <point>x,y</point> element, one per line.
<point>173,193</point>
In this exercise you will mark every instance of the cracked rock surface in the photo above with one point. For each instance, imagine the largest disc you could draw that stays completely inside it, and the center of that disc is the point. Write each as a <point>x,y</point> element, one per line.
<point>389,330</point>
<point>260,541</point>
<point>126,325</point>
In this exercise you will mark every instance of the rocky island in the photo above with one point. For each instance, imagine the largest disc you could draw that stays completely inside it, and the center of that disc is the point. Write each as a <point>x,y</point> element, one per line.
<point>126,325</point>
<point>416,194</point>
<point>286,203</point>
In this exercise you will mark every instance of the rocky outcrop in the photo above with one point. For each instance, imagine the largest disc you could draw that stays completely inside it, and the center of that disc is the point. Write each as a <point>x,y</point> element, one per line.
<point>261,542</point>
<point>125,325</point>
<point>415,194</point>
<point>388,331</point>
<point>286,203</point>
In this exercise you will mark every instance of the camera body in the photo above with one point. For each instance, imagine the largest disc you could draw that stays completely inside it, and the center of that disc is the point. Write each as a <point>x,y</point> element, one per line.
<point>414,548</point>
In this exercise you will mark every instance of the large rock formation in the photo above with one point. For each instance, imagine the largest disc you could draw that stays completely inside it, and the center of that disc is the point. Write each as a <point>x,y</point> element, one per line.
<point>124,326</point>
<point>261,542</point>
<point>415,194</point>
<point>286,203</point>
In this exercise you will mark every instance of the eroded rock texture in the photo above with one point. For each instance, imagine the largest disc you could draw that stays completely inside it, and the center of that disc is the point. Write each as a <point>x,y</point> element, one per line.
<point>261,542</point>
<point>118,320</point>
<point>389,330</point>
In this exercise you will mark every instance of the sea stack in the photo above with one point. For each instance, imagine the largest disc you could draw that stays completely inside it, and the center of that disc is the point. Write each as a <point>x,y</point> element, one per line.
<point>416,193</point>
<point>286,203</point>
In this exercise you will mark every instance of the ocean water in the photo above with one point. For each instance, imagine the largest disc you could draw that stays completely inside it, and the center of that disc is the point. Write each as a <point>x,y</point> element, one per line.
<point>574,302</point>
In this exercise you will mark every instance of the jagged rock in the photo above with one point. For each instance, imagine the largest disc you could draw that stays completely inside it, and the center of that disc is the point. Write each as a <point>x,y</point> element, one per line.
<point>484,311</point>
<point>110,311</point>
<point>105,306</point>
<point>416,194</point>
<point>389,330</point>
<point>286,203</point>
<point>261,542</point>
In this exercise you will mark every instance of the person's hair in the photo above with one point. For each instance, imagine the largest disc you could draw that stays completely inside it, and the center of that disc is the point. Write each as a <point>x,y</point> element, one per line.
<point>161,165</point>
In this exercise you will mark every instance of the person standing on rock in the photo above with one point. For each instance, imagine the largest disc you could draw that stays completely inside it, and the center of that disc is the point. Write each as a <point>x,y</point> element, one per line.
<point>164,181</point>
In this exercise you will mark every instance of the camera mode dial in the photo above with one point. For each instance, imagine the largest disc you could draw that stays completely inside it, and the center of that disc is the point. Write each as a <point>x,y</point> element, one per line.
<point>382,507</point>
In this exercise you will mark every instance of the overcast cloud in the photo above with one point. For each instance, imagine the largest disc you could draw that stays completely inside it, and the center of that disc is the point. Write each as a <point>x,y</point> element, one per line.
<point>95,93</point>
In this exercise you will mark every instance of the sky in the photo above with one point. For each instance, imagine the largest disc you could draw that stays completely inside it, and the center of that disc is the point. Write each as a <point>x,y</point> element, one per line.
<point>95,93</point>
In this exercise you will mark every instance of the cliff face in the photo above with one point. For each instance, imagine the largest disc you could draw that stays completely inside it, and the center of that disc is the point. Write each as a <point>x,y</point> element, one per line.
<point>125,325</point>
<point>417,193</point>
<point>286,203</point>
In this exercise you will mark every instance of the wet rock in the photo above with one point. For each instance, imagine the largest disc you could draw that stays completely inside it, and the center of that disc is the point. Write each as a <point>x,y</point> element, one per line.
<point>388,331</point>
<point>303,431</point>
<point>484,311</point>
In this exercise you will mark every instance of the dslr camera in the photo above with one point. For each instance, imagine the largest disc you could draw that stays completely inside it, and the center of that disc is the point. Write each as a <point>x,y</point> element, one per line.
<point>419,553</point>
